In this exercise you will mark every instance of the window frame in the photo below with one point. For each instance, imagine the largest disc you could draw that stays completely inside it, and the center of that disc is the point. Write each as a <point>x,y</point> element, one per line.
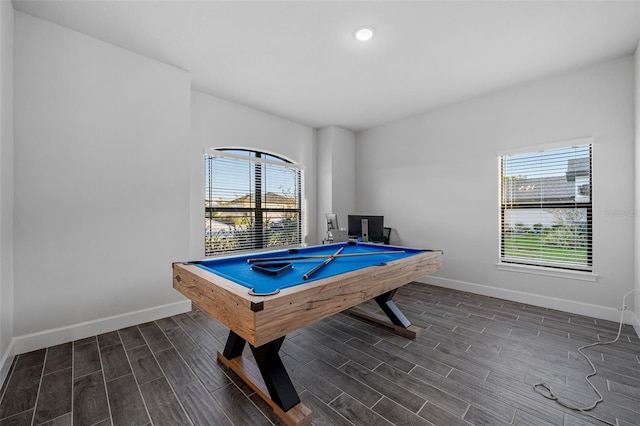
<point>258,159</point>
<point>538,266</point>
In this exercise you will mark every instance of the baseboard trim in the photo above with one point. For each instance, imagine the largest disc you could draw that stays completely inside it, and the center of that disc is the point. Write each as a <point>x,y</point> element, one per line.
<point>5,363</point>
<point>596,311</point>
<point>56,336</point>
<point>636,323</point>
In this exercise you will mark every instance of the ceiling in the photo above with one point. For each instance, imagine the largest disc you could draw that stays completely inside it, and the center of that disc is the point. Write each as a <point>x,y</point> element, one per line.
<point>299,59</point>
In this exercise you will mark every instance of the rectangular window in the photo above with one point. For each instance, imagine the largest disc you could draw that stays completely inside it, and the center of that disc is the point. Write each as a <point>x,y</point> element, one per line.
<point>253,201</point>
<point>545,208</point>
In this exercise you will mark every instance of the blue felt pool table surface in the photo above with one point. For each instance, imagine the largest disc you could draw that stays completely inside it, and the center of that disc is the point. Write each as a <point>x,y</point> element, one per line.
<point>238,270</point>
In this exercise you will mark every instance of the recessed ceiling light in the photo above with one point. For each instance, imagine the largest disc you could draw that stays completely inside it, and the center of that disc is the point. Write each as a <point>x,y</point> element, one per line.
<point>364,33</point>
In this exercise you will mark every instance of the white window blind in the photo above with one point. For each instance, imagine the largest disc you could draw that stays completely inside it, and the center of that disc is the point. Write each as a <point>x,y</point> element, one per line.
<point>253,201</point>
<point>545,211</point>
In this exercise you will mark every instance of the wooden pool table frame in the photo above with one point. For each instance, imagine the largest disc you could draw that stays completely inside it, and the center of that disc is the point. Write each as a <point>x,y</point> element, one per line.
<point>264,321</point>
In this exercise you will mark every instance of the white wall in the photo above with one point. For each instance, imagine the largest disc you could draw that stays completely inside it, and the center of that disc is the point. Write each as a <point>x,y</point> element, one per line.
<point>336,175</point>
<point>324,168</point>
<point>101,185</point>
<point>6,186</point>
<point>217,123</point>
<point>637,194</point>
<point>435,178</point>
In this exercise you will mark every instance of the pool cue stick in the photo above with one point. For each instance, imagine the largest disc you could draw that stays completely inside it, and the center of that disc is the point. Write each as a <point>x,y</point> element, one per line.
<point>320,256</point>
<point>317,268</point>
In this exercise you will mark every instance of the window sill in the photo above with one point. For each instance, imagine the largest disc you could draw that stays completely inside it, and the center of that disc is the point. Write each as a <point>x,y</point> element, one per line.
<point>550,272</point>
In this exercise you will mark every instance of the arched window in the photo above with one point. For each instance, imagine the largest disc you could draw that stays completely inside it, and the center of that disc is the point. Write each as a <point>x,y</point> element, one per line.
<point>253,200</point>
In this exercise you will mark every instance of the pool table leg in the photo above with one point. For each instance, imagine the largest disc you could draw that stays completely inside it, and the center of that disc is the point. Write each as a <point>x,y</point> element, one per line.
<point>399,323</point>
<point>234,346</point>
<point>275,375</point>
<point>280,392</point>
<point>391,309</point>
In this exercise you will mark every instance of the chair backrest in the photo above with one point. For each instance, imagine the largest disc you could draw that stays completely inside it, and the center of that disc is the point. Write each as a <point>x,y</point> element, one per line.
<point>386,234</point>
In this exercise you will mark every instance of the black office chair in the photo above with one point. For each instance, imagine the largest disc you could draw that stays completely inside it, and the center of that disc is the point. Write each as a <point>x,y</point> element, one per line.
<point>386,235</point>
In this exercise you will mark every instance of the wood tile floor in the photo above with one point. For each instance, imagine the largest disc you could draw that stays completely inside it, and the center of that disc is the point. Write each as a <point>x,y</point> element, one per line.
<point>475,363</point>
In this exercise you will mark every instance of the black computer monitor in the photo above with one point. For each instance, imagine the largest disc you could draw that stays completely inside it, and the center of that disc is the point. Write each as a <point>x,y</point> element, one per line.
<point>375,226</point>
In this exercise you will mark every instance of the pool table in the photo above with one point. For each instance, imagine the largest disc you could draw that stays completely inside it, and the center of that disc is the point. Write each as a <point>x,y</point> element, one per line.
<point>263,296</point>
